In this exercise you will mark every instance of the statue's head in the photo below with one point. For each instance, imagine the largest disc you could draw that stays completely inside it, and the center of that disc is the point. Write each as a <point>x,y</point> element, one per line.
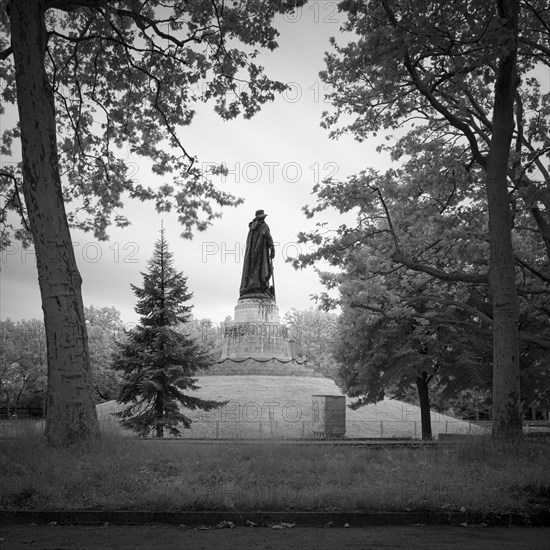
<point>260,214</point>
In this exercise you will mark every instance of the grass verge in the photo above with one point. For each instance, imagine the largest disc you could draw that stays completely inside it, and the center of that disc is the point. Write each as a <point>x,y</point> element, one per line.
<point>129,474</point>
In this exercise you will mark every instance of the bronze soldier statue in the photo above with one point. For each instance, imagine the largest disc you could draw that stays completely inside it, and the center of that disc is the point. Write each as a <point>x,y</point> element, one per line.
<point>258,259</point>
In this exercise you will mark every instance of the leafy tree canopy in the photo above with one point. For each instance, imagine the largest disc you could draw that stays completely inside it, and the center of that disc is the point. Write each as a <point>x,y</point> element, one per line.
<point>429,71</point>
<point>89,78</point>
<point>126,77</point>
<point>22,363</point>
<point>313,332</point>
<point>455,89</point>
<point>23,355</point>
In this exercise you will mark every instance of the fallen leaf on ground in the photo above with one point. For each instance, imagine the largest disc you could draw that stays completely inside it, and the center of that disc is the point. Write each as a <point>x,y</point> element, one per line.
<point>225,525</point>
<point>283,525</point>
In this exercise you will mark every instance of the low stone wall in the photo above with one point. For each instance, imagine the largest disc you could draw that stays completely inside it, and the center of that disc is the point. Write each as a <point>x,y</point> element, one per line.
<point>269,367</point>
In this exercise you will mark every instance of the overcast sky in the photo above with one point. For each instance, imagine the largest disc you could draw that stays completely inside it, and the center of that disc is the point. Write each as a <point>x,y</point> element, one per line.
<point>274,161</point>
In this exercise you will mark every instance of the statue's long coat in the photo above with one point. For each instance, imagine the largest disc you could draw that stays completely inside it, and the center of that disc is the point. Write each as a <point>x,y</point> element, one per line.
<point>257,267</point>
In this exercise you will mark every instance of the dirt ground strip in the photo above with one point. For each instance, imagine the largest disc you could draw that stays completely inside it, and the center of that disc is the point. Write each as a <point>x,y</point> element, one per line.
<point>167,537</point>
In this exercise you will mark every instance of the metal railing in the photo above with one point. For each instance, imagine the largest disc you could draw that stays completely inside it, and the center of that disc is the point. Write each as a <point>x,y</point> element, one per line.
<point>281,429</point>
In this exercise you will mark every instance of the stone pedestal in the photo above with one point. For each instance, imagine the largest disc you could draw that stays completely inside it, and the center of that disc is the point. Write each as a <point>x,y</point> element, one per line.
<point>257,343</point>
<point>256,332</point>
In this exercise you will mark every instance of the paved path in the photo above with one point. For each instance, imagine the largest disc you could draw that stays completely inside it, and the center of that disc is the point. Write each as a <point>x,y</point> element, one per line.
<point>166,537</point>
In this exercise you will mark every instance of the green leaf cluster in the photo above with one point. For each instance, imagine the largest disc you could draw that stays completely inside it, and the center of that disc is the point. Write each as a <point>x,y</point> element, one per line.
<point>413,272</point>
<point>127,78</point>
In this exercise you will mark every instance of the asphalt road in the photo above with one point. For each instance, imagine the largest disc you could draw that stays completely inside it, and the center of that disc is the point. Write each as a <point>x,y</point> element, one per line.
<point>168,537</point>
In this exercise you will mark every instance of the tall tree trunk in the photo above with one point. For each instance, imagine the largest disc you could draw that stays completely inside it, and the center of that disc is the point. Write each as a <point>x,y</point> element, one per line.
<point>70,415</point>
<point>506,391</point>
<point>424,398</point>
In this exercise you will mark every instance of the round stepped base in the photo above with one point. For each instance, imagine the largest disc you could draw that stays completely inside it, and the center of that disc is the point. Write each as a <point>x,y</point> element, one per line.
<point>256,332</point>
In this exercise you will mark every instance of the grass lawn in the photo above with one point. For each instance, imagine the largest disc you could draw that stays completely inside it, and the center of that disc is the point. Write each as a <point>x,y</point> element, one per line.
<point>131,474</point>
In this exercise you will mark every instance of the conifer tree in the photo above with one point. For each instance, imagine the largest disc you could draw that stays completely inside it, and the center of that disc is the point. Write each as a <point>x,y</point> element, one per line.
<point>157,361</point>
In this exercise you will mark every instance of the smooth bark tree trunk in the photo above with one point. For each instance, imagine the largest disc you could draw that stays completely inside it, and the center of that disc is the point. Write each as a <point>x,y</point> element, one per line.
<point>424,398</point>
<point>70,412</point>
<point>502,277</point>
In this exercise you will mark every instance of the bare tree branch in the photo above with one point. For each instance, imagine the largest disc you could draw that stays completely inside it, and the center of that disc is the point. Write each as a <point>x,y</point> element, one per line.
<point>434,102</point>
<point>16,198</point>
<point>5,54</point>
<point>532,270</point>
<point>447,302</point>
<point>457,276</point>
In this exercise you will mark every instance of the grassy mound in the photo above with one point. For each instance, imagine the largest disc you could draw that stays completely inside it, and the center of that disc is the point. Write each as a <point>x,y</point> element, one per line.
<point>281,407</point>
